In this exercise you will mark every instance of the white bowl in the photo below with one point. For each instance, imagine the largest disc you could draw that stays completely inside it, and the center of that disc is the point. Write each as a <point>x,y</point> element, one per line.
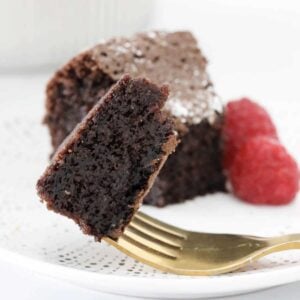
<point>38,33</point>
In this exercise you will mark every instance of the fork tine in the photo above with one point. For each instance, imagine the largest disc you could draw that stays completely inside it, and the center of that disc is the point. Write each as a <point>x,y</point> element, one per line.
<point>150,222</point>
<point>158,235</point>
<point>149,245</point>
<point>155,236</point>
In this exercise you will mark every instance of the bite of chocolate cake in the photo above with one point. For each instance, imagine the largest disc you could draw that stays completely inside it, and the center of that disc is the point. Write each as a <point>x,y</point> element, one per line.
<point>101,173</point>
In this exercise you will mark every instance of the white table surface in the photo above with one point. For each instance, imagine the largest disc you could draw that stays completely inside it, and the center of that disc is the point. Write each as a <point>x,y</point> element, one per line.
<point>18,283</point>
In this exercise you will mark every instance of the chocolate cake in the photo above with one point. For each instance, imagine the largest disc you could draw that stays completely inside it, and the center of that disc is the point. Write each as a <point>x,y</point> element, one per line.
<point>172,58</point>
<point>103,170</point>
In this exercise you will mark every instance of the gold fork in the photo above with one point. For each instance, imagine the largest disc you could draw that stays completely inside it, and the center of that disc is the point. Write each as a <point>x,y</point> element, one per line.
<point>183,252</point>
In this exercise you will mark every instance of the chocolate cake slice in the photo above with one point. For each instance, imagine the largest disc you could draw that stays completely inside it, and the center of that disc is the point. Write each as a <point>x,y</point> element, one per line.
<point>172,58</point>
<point>106,166</point>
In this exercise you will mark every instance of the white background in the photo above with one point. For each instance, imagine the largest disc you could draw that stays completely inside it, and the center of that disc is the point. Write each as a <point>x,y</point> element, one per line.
<point>237,37</point>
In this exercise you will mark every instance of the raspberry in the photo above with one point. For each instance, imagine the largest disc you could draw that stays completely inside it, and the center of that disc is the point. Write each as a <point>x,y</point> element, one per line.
<point>263,172</point>
<point>244,119</point>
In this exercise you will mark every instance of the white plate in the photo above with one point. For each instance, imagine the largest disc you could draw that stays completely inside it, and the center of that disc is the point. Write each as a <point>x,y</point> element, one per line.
<point>52,245</point>
<point>254,49</point>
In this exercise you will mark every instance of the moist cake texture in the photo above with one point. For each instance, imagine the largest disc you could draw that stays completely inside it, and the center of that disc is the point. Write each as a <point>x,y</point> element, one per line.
<point>103,170</point>
<point>171,58</point>
<point>193,169</point>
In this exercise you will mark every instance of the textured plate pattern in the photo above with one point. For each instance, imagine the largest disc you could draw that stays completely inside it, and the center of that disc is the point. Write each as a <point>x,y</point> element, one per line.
<point>27,228</point>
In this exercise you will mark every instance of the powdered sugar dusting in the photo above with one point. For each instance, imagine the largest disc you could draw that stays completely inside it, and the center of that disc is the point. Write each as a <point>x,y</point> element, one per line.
<point>165,58</point>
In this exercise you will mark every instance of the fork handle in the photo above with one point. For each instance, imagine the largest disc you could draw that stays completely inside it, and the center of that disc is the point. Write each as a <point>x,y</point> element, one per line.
<point>285,242</point>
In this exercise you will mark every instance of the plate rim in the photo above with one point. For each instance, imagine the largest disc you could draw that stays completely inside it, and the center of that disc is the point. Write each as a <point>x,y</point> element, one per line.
<point>207,286</point>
